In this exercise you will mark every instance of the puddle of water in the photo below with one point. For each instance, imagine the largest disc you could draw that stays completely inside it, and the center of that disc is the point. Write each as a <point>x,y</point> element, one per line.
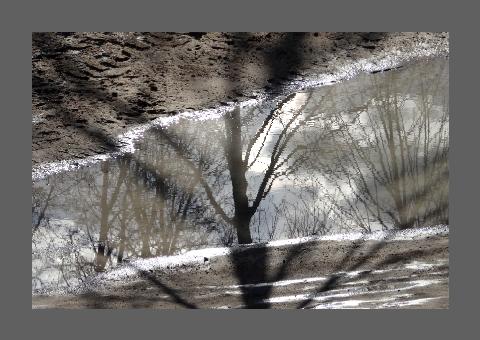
<point>368,154</point>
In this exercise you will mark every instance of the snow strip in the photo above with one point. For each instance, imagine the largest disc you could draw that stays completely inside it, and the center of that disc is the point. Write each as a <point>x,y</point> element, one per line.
<point>416,302</point>
<point>386,235</point>
<point>281,283</point>
<point>193,257</point>
<point>419,265</point>
<point>357,304</point>
<point>198,256</point>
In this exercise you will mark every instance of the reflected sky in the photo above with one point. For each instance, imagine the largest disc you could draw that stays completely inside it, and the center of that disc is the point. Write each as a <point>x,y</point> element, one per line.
<point>367,154</point>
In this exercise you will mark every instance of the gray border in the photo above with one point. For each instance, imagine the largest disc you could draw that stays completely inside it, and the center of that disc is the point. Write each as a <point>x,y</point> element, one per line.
<point>215,16</point>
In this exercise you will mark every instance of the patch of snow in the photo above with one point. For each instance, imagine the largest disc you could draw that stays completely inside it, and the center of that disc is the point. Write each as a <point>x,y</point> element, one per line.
<point>273,284</point>
<point>357,304</point>
<point>37,119</point>
<point>417,265</point>
<point>40,306</point>
<point>388,235</point>
<point>414,302</point>
<point>166,262</point>
<point>342,304</point>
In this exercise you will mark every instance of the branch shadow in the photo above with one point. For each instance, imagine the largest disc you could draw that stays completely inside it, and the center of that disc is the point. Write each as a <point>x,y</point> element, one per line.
<point>340,273</point>
<point>251,269</point>
<point>148,276</point>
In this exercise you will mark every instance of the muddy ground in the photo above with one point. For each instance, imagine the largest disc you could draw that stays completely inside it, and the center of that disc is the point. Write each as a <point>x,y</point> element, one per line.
<point>326,274</point>
<point>89,87</point>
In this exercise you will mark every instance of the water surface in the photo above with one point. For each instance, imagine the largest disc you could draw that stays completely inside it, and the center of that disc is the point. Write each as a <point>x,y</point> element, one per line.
<point>366,154</point>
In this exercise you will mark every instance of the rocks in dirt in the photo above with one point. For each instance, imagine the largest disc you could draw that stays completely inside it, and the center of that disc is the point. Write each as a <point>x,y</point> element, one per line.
<point>197,35</point>
<point>372,36</point>
<point>141,103</point>
<point>81,121</point>
<point>155,111</point>
<point>108,64</point>
<point>95,66</point>
<point>137,45</point>
<point>115,73</point>
<point>121,58</point>
<point>76,75</point>
<point>133,112</point>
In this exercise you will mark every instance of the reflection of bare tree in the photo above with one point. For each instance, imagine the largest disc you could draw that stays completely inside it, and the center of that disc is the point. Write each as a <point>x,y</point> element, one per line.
<point>267,220</point>
<point>304,218</point>
<point>40,200</point>
<point>136,207</point>
<point>156,204</point>
<point>106,205</point>
<point>278,159</point>
<point>390,160</point>
<point>239,151</point>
